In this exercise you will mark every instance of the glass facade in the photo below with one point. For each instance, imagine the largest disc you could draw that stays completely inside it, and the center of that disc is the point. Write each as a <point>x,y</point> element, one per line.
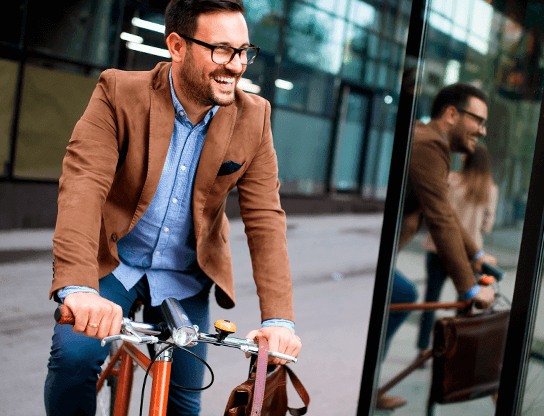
<point>499,49</point>
<point>325,65</point>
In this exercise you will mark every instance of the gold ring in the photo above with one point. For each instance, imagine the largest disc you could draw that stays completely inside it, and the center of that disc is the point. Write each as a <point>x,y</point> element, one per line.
<point>92,325</point>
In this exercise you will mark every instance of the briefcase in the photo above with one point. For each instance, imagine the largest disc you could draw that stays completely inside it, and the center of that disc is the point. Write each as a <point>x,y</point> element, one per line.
<point>468,353</point>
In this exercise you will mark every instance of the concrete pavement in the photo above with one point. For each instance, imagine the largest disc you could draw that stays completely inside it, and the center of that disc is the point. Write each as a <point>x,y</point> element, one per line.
<point>333,260</point>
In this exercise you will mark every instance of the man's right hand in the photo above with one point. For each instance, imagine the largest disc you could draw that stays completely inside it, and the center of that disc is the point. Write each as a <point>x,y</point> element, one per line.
<point>485,297</point>
<point>94,315</point>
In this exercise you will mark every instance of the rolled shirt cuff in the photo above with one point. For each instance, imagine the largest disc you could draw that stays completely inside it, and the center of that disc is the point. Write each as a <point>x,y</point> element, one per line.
<point>68,290</point>
<point>478,255</point>
<point>471,293</point>
<point>279,322</point>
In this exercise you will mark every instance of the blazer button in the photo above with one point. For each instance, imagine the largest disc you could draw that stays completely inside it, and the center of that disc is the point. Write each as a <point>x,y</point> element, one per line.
<point>114,237</point>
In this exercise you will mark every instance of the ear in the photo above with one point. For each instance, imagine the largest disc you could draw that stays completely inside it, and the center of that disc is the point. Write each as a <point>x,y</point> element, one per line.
<point>450,115</point>
<point>177,47</point>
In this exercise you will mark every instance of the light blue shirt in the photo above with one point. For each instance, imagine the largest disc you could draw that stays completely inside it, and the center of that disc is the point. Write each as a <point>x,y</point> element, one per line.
<point>162,243</point>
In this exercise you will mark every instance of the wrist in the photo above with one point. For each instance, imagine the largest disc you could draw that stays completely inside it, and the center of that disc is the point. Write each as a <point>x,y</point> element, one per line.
<point>68,290</point>
<point>284,323</point>
<point>471,293</point>
<point>478,255</point>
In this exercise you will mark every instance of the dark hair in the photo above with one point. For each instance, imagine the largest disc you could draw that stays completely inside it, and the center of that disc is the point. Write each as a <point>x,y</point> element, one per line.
<point>181,15</point>
<point>456,95</point>
<point>476,175</point>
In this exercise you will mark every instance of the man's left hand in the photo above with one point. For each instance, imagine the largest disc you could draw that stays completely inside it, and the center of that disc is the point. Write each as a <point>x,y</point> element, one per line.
<point>279,339</point>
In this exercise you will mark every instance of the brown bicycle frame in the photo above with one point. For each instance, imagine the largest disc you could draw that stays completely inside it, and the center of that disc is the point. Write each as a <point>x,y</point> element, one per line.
<point>127,355</point>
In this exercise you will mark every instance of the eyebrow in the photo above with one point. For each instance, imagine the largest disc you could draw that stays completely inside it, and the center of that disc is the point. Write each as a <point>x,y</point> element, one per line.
<point>244,45</point>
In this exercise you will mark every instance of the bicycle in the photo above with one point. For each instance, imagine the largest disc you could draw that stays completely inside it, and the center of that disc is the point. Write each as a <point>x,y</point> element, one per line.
<point>176,332</point>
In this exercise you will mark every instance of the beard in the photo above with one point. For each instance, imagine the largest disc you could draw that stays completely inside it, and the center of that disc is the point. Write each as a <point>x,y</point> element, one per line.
<point>461,141</point>
<point>198,89</point>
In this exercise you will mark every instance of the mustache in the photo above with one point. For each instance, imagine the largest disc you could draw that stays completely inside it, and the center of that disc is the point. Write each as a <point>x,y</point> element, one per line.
<point>225,73</point>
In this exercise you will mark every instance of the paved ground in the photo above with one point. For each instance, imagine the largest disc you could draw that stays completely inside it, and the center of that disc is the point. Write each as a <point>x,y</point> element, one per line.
<point>333,258</point>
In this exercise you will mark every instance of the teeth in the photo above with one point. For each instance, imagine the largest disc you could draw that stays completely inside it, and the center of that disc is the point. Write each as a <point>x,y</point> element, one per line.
<point>225,79</point>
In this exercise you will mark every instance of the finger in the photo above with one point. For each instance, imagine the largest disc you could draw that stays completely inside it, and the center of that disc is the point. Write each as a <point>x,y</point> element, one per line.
<point>93,325</point>
<point>81,320</point>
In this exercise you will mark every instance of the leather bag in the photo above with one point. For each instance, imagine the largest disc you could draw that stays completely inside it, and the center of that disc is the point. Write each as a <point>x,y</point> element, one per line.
<point>243,400</point>
<point>468,354</point>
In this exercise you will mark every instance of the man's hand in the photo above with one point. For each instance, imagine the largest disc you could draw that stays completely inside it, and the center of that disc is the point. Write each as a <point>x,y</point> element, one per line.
<point>95,316</point>
<point>485,297</point>
<point>488,258</point>
<point>477,264</point>
<point>279,339</point>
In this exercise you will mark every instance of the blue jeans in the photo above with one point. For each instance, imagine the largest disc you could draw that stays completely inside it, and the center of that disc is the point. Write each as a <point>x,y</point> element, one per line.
<point>75,360</point>
<point>404,291</point>
<point>436,276</point>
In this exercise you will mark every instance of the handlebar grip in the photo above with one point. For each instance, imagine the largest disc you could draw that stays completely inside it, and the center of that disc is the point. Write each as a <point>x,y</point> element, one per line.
<point>63,315</point>
<point>492,270</point>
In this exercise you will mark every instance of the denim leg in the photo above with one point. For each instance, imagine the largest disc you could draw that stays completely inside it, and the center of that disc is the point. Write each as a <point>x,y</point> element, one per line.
<point>75,360</point>
<point>187,371</point>
<point>436,276</point>
<point>404,291</point>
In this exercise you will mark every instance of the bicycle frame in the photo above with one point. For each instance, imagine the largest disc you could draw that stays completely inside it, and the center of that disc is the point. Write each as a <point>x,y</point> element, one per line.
<point>127,355</point>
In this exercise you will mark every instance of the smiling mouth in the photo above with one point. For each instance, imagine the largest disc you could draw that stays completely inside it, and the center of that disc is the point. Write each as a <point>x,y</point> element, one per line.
<point>224,81</point>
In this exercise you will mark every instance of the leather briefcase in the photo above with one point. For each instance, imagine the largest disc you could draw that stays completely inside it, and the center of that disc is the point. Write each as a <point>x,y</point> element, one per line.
<point>275,394</point>
<point>468,353</point>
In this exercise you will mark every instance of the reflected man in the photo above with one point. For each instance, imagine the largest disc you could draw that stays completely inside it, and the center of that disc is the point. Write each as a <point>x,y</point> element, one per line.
<point>458,117</point>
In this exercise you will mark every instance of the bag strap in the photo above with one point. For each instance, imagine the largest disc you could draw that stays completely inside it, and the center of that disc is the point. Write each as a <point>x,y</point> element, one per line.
<point>301,392</point>
<point>260,380</point>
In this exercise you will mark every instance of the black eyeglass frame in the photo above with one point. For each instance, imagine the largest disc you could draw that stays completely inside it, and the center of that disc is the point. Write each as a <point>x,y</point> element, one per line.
<point>481,121</point>
<point>237,51</point>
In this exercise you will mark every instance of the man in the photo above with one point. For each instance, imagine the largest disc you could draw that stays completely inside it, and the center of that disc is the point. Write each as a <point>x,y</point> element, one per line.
<point>142,198</point>
<point>458,117</point>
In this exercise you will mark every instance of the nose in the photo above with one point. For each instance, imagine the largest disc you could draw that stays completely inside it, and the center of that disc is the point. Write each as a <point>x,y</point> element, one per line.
<point>483,130</point>
<point>235,65</point>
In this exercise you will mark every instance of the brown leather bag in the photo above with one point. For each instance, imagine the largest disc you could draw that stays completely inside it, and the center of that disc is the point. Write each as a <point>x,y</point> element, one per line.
<point>468,353</point>
<point>274,402</point>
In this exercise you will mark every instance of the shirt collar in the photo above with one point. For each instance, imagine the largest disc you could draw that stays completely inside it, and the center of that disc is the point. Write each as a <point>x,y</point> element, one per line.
<point>179,108</point>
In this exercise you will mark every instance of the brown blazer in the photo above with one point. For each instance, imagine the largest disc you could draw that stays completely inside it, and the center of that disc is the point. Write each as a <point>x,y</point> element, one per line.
<point>427,199</point>
<point>112,168</point>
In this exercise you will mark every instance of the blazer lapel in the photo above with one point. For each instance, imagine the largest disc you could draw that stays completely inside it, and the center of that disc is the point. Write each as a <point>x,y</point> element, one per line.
<point>215,147</point>
<point>161,127</point>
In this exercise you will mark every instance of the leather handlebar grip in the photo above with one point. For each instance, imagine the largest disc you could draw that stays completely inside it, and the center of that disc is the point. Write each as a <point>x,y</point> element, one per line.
<point>63,315</point>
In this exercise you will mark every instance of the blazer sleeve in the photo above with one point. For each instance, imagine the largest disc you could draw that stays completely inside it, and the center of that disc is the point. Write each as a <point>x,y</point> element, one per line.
<point>88,169</point>
<point>265,227</point>
<point>430,183</point>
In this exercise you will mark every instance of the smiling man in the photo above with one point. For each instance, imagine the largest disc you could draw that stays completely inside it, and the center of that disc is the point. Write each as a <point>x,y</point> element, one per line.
<point>458,118</point>
<point>141,206</point>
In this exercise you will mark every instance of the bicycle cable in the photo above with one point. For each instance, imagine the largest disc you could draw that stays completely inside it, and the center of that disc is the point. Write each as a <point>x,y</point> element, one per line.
<point>172,384</point>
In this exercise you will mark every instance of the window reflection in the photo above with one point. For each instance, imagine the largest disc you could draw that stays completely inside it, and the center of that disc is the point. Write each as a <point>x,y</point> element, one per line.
<point>472,41</point>
<point>315,38</point>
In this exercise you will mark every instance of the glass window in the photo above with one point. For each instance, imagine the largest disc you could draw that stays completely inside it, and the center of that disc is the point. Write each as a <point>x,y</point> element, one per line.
<point>337,7</point>
<point>458,51</point>
<point>315,38</point>
<point>52,103</point>
<point>8,80</point>
<point>363,14</point>
<point>264,19</point>
<point>142,40</point>
<point>304,89</point>
<point>350,138</point>
<point>81,31</point>
<point>302,145</point>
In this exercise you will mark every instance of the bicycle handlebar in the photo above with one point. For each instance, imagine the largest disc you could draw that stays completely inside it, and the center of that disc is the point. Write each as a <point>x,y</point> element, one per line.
<point>182,336</point>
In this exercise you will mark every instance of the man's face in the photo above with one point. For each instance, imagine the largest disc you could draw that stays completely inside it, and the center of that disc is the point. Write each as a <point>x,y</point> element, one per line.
<point>203,81</point>
<point>469,127</point>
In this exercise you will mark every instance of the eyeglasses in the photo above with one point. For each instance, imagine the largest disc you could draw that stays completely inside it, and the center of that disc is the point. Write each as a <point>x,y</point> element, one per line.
<point>481,121</point>
<point>222,54</point>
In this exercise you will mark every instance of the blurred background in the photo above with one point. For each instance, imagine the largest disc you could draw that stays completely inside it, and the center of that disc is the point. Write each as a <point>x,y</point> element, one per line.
<point>332,70</point>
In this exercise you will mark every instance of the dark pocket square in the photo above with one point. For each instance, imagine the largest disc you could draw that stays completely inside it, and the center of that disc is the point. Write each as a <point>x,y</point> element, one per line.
<point>228,167</point>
